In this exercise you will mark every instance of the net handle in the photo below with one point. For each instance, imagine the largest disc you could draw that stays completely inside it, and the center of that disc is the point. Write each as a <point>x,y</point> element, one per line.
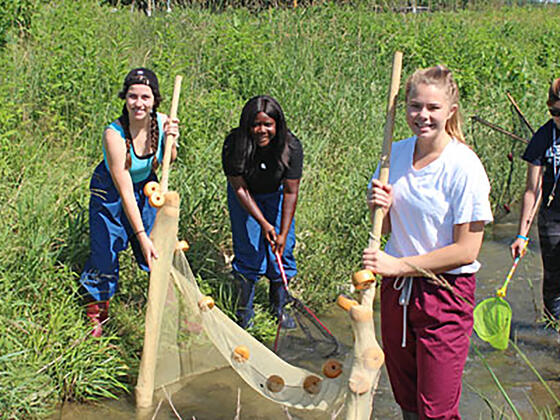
<point>171,139</point>
<point>501,292</point>
<point>281,268</point>
<point>385,160</point>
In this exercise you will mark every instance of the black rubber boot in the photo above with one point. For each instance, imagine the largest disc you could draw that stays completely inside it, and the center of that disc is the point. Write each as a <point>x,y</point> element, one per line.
<point>245,295</point>
<point>278,297</point>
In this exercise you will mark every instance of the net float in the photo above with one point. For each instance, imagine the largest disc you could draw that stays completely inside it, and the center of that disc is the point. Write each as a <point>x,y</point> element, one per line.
<point>332,368</point>
<point>345,302</point>
<point>312,384</point>
<point>363,279</point>
<point>275,383</point>
<point>206,303</point>
<point>157,200</point>
<point>241,354</point>
<point>182,246</point>
<point>150,188</point>
<point>373,357</point>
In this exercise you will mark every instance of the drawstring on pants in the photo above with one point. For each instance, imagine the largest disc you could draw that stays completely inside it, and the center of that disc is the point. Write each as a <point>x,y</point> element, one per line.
<point>404,284</point>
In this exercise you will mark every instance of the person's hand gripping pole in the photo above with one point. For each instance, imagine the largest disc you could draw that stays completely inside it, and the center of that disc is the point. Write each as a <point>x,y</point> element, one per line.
<point>368,355</point>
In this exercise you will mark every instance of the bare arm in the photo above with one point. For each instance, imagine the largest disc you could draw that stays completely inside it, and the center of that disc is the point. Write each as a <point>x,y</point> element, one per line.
<point>467,240</point>
<point>530,196</point>
<point>116,155</point>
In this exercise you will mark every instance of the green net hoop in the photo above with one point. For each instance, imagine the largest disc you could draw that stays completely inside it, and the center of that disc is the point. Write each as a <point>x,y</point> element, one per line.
<point>492,322</point>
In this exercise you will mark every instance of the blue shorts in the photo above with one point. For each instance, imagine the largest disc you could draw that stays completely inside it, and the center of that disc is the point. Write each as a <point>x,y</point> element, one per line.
<point>110,233</point>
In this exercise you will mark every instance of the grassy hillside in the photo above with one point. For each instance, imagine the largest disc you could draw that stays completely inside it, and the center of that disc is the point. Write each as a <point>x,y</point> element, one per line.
<point>329,68</point>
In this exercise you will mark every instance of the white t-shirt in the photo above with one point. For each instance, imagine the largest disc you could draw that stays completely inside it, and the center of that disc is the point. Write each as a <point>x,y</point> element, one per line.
<point>427,203</point>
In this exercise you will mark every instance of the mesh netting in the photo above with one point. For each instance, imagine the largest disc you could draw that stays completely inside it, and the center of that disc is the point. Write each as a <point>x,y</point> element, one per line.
<point>306,341</point>
<point>197,337</point>
<point>492,322</point>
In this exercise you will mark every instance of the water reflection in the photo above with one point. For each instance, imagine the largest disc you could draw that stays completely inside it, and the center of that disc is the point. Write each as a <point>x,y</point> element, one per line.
<point>214,396</point>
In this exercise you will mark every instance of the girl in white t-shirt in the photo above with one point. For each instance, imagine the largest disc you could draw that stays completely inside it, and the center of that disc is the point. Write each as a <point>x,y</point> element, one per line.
<point>435,205</point>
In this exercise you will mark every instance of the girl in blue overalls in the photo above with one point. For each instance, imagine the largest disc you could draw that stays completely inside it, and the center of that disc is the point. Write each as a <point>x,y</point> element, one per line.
<point>119,211</point>
<point>543,172</point>
<point>263,163</point>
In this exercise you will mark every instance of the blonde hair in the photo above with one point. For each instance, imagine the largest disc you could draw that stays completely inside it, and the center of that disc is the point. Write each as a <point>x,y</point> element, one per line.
<point>553,92</point>
<point>440,76</point>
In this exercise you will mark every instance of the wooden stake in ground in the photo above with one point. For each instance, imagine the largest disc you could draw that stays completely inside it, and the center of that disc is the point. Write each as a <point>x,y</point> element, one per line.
<point>164,237</point>
<point>368,355</point>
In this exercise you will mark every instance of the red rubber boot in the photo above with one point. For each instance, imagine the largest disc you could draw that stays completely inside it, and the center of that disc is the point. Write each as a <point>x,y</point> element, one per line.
<point>97,312</point>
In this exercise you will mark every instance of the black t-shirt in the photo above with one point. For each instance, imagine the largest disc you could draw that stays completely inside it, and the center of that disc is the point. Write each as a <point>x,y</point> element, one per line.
<point>265,175</point>
<point>544,150</point>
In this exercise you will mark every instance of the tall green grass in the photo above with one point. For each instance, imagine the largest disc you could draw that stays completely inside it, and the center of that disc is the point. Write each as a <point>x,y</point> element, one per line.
<point>329,68</point>
<point>400,6</point>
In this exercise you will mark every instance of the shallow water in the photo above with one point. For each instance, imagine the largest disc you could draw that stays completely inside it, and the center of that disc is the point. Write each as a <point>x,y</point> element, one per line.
<point>214,395</point>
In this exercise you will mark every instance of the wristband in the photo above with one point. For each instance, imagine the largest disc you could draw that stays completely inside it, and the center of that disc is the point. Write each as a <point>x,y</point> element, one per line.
<point>139,232</point>
<point>523,237</point>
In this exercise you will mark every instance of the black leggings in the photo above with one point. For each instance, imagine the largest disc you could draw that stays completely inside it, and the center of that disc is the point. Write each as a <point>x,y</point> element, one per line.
<point>549,236</point>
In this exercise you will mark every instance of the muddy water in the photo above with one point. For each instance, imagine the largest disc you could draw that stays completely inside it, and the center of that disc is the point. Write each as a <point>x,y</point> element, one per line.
<point>214,395</point>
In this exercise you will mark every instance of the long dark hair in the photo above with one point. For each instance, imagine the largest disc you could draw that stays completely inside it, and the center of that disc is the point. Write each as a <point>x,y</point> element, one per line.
<point>245,146</point>
<point>141,76</point>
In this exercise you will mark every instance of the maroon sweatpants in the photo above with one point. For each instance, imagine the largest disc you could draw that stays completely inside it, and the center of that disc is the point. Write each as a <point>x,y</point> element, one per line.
<point>426,374</point>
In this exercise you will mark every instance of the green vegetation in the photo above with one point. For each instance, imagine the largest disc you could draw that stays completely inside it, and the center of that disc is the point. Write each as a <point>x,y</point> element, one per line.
<point>329,67</point>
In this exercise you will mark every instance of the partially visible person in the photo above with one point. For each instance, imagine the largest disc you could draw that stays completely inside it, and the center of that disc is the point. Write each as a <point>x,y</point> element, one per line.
<point>543,170</point>
<point>119,212</point>
<point>436,204</point>
<point>263,162</point>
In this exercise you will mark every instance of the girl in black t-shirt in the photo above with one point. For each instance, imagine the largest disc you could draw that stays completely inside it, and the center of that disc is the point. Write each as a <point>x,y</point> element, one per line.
<point>263,163</point>
<point>543,172</point>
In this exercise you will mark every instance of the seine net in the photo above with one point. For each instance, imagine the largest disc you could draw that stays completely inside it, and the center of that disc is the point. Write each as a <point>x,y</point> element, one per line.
<point>197,338</point>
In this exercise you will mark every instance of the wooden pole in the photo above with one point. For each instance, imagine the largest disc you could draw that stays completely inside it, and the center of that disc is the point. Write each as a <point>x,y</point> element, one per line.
<point>368,355</point>
<point>164,183</point>
<point>385,160</point>
<point>164,238</point>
